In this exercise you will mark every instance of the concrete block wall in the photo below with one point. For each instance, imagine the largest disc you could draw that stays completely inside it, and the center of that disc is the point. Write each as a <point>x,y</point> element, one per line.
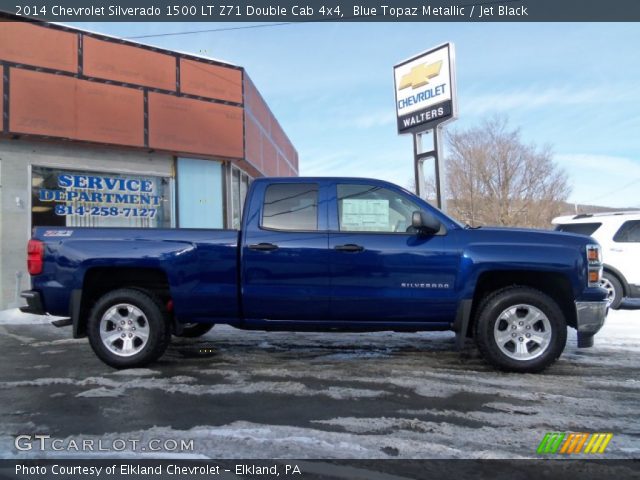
<point>16,157</point>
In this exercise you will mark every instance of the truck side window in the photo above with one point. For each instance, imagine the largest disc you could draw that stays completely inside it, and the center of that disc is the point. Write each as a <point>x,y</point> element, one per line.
<point>291,206</point>
<point>369,208</point>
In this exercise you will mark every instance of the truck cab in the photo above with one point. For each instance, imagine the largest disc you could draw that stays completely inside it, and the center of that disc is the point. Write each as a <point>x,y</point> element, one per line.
<point>350,248</point>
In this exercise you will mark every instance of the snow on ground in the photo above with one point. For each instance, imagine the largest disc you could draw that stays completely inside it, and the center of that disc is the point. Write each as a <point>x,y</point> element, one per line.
<point>14,316</point>
<point>621,326</point>
<point>321,395</point>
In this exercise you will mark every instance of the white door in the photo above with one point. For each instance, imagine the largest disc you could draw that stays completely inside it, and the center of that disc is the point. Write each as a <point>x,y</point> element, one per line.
<point>624,252</point>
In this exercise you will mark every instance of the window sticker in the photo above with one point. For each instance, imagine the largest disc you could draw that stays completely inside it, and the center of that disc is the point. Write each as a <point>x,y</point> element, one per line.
<point>365,215</point>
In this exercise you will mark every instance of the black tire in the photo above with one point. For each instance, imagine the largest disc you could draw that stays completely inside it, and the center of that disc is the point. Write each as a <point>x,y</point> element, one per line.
<point>503,307</point>
<point>195,330</point>
<point>150,317</point>
<point>614,289</point>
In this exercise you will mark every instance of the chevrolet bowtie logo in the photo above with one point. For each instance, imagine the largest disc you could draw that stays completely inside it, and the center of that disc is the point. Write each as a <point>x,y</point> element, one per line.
<point>420,75</point>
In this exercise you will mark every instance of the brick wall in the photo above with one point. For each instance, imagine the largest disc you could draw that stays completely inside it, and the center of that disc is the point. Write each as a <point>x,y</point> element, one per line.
<point>64,83</point>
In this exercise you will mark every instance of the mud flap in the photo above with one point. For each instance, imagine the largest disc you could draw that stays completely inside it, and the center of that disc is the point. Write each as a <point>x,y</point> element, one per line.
<point>461,323</point>
<point>585,340</point>
<point>79,329</point>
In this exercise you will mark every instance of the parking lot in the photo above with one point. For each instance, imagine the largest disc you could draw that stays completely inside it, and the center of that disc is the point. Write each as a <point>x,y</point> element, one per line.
<point>240,394</point>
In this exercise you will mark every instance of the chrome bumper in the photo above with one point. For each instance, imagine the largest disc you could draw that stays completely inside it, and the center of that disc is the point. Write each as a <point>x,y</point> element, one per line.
<point>590,319</point>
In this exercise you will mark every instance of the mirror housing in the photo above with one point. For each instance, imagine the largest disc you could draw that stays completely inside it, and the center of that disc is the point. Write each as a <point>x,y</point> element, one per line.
<point>425,222</point>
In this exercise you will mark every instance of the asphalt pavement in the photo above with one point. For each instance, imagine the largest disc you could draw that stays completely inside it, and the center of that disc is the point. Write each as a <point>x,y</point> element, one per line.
<point>239,394</point>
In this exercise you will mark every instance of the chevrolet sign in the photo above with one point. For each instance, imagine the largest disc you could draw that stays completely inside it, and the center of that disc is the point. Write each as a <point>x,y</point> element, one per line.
<point>425,90</point>
<point>420,74</point>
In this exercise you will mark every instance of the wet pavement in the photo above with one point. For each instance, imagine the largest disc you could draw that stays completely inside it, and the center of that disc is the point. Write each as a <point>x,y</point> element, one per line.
<point>240,394</point>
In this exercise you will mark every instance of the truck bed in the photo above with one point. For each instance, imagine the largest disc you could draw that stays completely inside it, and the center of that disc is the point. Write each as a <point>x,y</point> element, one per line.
<point>201,265</point>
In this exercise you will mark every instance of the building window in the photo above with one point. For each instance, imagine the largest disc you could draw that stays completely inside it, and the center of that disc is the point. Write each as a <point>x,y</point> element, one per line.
<point>240,182</point>
<point>200,194</point>
<point>73,198</point>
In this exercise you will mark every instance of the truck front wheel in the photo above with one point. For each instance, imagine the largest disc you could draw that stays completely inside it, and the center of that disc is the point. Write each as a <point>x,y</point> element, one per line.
<point>128,328</point>
<point>520,329</point>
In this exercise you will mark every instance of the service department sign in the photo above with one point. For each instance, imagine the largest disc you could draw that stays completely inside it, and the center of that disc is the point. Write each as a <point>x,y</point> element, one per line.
<point>425,90</point>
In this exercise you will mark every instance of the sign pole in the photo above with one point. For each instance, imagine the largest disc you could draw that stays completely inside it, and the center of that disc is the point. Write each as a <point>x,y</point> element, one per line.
<point>439,172</point>
<point>420,157</point>
<point>417,147</point>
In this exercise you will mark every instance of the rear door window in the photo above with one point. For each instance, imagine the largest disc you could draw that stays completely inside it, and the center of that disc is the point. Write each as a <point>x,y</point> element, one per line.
<point>629,232</point>
<point>291,207</point>
<point>580,228</point>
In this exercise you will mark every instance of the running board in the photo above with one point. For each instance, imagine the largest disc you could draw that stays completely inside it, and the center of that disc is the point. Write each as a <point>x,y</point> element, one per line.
<point>63,322</point>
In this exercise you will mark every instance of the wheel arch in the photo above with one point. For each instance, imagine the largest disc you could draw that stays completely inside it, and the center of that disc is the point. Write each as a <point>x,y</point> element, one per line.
<point>618,274</point>
<point>100,280</point>
<point>554,284</point>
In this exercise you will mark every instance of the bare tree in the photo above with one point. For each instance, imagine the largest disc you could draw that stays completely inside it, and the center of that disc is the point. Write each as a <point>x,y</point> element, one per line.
<point>495,179</point>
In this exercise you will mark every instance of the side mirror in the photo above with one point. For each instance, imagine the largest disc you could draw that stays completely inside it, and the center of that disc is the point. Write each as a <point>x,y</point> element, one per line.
<point>424,222</point>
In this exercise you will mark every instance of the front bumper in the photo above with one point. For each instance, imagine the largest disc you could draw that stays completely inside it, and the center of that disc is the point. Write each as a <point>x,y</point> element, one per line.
<point>590,318</point>
<point>34,303</point>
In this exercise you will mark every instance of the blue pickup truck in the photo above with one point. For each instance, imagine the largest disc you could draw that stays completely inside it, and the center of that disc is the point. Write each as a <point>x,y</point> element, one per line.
<point>322,254</point>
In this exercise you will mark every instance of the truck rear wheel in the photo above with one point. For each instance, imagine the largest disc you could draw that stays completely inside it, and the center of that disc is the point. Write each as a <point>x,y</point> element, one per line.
<point>128,328</point>
<point>520,329</point>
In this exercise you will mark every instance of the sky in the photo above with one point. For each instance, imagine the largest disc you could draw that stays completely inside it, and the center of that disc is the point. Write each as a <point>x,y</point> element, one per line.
<point>574,87</point>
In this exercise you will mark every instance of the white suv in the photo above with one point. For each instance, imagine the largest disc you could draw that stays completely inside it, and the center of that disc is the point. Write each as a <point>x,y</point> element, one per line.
<point>619,235</point>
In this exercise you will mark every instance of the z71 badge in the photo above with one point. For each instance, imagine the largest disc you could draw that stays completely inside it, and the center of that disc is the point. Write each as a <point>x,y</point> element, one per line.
<point>58,233</point>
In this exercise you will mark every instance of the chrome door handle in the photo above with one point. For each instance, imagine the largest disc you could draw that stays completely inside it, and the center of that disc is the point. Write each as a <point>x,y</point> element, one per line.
<point>263,247</point>
<point>349,247</point>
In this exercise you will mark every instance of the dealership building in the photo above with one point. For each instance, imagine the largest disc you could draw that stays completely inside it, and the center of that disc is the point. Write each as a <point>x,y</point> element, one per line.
<point>102,132</point>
